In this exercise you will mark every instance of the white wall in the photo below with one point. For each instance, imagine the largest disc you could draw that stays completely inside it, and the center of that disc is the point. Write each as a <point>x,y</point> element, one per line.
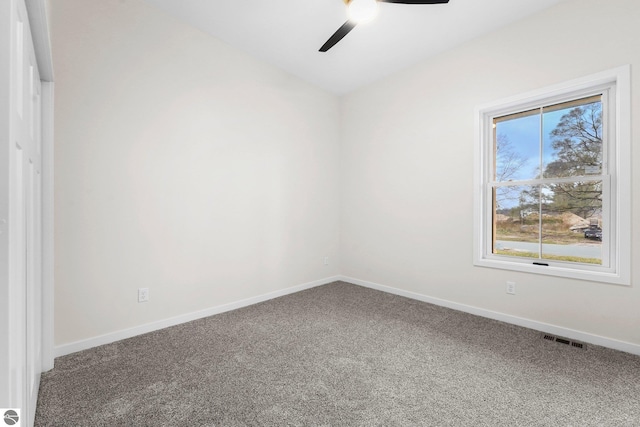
<point>185,166</point>
<point>181,165</point>
<point>407,175</point>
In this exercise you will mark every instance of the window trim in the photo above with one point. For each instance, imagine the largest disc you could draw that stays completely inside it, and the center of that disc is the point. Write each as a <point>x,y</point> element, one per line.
<point>619,161</point>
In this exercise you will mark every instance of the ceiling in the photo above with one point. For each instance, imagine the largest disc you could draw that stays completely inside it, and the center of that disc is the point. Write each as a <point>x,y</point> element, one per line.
<point>288,33</point>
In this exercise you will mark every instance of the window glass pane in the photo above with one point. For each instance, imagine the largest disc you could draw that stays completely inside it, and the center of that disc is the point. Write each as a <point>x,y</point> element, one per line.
<point>572,222</point>
<point>517,146</point>
<point>517,221</point>
<point>573,138</point>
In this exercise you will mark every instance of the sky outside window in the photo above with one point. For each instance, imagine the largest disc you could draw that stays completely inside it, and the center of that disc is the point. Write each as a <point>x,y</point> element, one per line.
<point>518,142</point>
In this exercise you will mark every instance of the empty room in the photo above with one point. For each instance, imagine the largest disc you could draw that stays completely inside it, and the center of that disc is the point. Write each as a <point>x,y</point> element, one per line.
<point>320,212</point>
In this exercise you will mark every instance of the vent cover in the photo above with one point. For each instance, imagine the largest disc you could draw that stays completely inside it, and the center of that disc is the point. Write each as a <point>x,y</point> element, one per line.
<point>564,341</point>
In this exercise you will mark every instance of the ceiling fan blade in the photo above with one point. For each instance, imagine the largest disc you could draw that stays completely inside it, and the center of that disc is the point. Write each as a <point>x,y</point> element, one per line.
<point>338,35</point>
<point>415,1</point>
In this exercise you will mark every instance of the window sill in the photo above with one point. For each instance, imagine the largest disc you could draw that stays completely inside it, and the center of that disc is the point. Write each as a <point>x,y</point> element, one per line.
<point>553,269</point>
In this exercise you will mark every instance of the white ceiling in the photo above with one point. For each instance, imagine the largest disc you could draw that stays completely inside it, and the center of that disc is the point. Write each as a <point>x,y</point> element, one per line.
<point>288,33</point>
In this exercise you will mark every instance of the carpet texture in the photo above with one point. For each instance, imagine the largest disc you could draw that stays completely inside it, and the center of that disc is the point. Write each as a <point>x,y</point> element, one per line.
<point>342,355</point>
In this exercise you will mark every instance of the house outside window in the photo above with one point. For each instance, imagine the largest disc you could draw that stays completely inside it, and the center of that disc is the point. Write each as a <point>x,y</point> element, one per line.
<point>553,180</point>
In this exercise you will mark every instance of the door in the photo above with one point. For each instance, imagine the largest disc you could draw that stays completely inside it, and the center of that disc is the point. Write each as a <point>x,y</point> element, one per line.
<point>20,213</point>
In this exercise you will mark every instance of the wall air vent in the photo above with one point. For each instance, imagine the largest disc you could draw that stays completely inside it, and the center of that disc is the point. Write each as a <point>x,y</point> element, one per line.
<point>564,341</point>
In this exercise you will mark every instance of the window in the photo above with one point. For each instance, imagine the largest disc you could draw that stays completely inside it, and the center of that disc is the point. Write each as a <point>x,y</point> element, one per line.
<point>552,189</point>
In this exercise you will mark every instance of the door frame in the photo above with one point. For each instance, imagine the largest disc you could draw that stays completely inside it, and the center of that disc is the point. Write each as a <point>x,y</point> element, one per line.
<point>47,228</point>
<point>40,34</point>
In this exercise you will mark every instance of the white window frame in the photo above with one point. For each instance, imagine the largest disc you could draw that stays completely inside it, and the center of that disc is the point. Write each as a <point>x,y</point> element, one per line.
<point>616,268</point>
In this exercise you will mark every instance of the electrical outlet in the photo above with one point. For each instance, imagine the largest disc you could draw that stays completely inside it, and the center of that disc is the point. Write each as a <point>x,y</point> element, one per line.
<point>511,288</point>
<point>326,260</point>
<point>143,294</point>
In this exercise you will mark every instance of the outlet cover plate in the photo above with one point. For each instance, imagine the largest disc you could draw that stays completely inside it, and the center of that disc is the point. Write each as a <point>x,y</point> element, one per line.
<point>511,288</point>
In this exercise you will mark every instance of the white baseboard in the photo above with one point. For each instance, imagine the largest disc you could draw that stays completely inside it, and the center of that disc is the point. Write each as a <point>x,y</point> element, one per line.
<point>63,350</point>
<point>507,318</point>
<point>76,346</point>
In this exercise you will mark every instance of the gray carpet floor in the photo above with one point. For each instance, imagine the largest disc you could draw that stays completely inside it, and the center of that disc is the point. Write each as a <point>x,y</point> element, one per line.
<point>342,355</point>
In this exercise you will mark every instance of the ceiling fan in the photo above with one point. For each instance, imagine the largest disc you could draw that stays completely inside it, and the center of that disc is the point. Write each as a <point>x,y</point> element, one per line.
<point>360,11</point>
